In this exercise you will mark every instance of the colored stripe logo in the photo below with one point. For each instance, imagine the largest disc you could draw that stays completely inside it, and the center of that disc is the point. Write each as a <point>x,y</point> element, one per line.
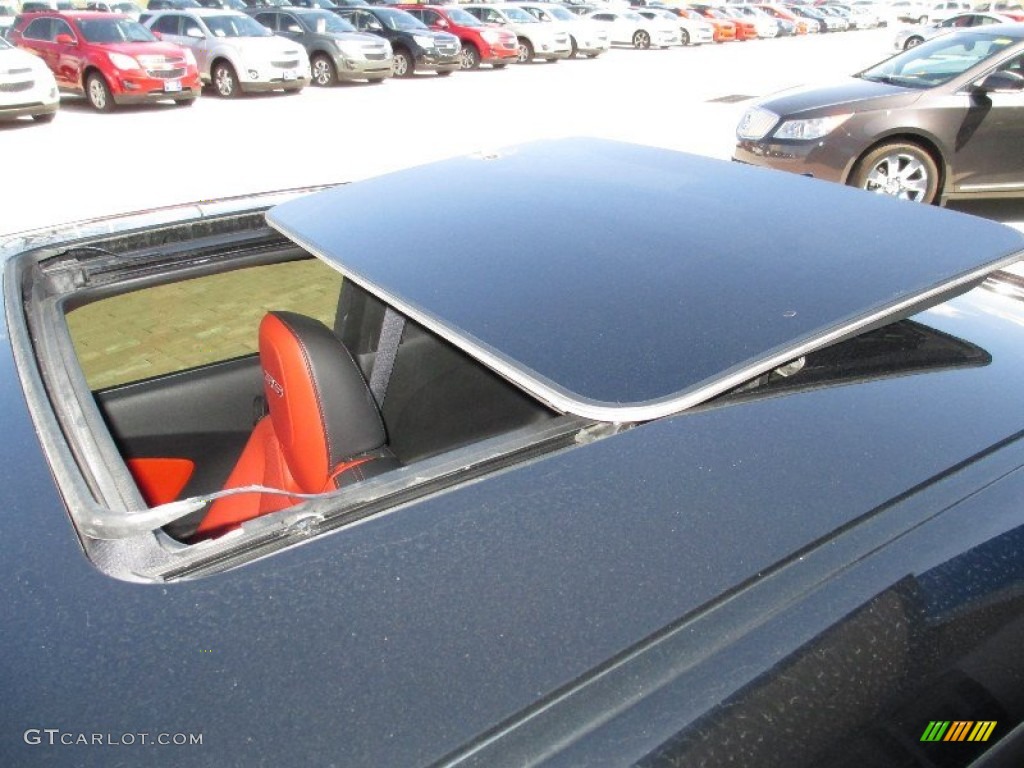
<point>958,730</point>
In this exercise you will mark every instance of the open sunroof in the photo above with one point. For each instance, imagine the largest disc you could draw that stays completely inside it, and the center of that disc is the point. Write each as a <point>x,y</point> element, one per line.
<point>622,282</point>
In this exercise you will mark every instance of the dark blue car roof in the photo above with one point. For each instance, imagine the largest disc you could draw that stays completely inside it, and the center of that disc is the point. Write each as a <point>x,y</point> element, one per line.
<point>650,282</point>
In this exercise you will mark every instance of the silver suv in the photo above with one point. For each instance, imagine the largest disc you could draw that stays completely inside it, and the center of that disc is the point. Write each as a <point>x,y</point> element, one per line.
<point>536,39</point>
<point>234,51</point>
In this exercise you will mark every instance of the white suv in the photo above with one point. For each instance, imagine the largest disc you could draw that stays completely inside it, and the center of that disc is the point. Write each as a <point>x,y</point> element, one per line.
<point>234,51</point>
<point>536,39</point>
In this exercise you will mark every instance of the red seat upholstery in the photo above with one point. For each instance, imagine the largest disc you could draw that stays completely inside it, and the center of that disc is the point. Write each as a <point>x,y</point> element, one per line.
<point>323,430</point>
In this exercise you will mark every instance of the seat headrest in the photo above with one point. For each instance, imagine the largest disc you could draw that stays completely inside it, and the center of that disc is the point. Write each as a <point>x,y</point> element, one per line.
<point>320,407</point>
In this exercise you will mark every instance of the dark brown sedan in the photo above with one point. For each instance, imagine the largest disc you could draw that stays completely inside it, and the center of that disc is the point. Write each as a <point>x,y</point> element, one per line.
<point>942,120</point>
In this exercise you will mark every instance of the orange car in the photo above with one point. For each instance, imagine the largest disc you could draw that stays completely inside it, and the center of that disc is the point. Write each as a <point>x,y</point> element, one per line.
<point>803,27</point>
<point>724,30</point>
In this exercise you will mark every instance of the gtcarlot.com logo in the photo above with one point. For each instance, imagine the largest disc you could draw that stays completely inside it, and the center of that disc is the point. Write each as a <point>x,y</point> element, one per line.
<point>958,730</point>
<point>58,737</point>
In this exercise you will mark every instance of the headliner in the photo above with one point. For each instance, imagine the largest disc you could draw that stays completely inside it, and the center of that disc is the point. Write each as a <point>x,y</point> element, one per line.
<point>623,282</point>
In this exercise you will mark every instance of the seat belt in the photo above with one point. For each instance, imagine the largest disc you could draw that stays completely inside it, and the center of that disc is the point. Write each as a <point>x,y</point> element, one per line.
<point>391,328</point>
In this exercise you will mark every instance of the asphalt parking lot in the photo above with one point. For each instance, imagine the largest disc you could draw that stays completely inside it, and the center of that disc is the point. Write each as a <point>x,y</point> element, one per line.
<point>86,164</point>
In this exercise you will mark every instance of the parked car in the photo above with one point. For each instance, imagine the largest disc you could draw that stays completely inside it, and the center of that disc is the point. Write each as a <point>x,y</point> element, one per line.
<point>890,128</point>
<point>630,28</point>
<point>744,28</point>
<point>765,26</point>
<point>27,87</point>
<point>624,502</point>
<point>336,50</point>
<point>481,44</point>
<point>131,10</point>
<point>724,29</point>
<point>826,22</point>
<point>1013,10</point>
<point>415,47</point>
<point>231,5</point>
<point>586,38</point>
<point>34,6</point>
<point>536,40</point>
<point>691,31</point>
<point>7,15</point>
<point>910,37</point>
<point>166,5</point>
<point>236,53</point>
<point>802,25</point>
<point>108,58</point>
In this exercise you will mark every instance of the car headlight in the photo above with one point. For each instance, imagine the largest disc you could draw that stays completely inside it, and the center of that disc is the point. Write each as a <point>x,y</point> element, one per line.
<point>810,129</point>
<point>190,59</point>
<point>755,123</point>
<point>121,61</point>
<point>423,41</point>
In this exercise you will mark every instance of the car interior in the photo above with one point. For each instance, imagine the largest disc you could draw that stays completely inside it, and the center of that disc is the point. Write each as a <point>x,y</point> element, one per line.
<point>298,414</point>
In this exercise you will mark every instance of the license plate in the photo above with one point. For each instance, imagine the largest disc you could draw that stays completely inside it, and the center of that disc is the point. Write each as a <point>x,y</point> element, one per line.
<point>289,74</point>
<point>172,86</point>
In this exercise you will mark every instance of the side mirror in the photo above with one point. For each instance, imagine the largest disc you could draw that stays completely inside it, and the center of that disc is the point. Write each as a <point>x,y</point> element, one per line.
<point>1001,82</point>
<point>195,32</point>
<point>64,39</point>
<point>157,35</point>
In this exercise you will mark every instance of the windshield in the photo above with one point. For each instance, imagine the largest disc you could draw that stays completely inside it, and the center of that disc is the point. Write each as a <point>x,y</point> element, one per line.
<point>560,13</point>
<point>125,8</point>
<point>114,31</point>
<point>399,20</point>
<point>938,61</point>
<point>323,22</point>
<point>463,18</point>
<point>518,15</point>
<point>235,26</point>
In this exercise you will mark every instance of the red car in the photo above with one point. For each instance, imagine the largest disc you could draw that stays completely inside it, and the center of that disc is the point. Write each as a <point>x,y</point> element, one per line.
<point>803,26</point>
<point>108,57</point>
<point>481,43</point>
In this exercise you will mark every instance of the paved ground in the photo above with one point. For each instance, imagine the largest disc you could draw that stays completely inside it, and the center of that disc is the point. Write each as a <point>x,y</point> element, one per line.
<point>86,164</point>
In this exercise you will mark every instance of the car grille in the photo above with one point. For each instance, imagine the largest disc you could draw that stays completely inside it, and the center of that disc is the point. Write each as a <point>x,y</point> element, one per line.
<point>163,67</point>
<point>167,74</point>
<point>286,64</point>
<point>447,47</point>
<point>375,53</point>
<point>25,85</point>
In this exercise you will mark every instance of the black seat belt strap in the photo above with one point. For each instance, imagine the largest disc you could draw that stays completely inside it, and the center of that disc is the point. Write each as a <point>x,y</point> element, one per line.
<point>387,349</point>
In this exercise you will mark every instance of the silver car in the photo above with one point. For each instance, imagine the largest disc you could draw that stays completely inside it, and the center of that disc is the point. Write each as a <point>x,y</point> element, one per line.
<point>536,39</point>
<point>586,37</point>
<point>911,37</point>
<point>234,51</point>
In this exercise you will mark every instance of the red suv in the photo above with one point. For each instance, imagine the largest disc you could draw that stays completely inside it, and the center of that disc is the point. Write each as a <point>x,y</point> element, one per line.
<point>108,57</point>
<point>481,43</point>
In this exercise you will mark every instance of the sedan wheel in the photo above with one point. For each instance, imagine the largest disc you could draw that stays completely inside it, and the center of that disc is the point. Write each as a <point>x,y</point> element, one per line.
<point>912,42</point>
<point>323,70</point>
<point>525,53</point>
<point>641,39</point>
<point>898,169</point>
<point>225,82</point>
<point>401,64</point>
<point>469,57</point>
<point>684,37</point>
<point>98,92</point>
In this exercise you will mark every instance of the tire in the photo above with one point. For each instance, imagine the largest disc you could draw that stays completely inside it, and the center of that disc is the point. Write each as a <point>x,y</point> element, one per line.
<point>684,37</point>
<point>46,117</point>
<point>225,81</point>
<point>641,40</point>
<point>323,70</point>
<point>98,93</point>
<point>525,51</point>
<point>575,50</point>
<point>922,19</point>
<point>469,57</point>
<point>402,64</point>
<point>899,169</point>
<point>912,42</point>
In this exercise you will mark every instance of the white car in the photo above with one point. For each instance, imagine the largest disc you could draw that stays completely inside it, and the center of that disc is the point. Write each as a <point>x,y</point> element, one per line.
<point>630,28</point>
<point>586,37</point>
<point>537,40</point>
<point>910,37</point>
<point>234,51</point>
<point>691,31</point>
<point>27,86</point>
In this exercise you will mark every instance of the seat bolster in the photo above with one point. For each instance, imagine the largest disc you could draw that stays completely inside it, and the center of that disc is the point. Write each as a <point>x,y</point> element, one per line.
<point>362,468</point>
<point>261,463</point>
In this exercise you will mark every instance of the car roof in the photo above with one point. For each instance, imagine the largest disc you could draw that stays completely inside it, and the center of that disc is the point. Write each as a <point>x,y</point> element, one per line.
<point>636,298</point>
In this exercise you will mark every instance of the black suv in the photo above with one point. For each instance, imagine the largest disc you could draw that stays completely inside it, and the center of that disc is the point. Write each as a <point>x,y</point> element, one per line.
<point>416,47</point>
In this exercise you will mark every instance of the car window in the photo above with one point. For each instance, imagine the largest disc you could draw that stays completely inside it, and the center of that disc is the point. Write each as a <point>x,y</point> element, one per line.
<point>459,16</point>
<point>61,27</point>
<point>39,29</point>
<point>166,25</point>
<point>114,31</point>
<point>428,17</point>
<point>268,20</point>
<point>235,26</point>
<point>326,22</point>
<point>289,23</point>
<point>938,61</point>
<point>170,328</point>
